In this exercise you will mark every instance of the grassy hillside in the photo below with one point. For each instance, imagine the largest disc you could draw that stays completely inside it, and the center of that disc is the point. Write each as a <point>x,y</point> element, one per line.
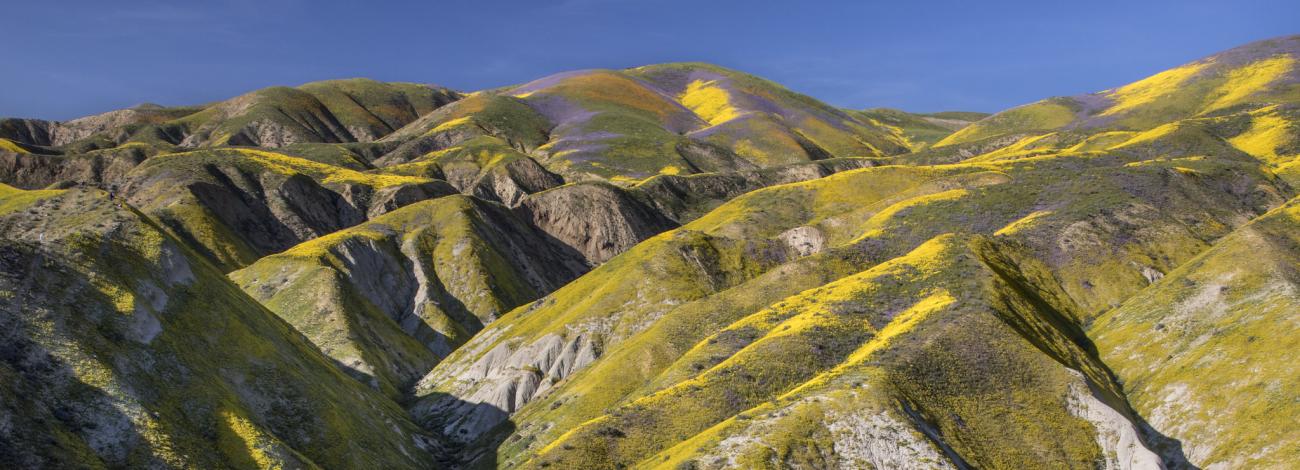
<point>671,266</point>
<point>752,254</point>
<point>124,348</point>
<point>237,205</point>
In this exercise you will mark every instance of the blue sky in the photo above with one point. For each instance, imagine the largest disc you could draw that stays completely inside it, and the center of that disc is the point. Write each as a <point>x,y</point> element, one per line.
<point>71,58</point>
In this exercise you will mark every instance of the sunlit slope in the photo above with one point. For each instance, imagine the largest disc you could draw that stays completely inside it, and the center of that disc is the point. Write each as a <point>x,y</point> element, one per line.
<point>1268,135</point>
<point>634,323</point>
<point>507,118</point>
<point>1207,353</point>
<point>990,374</point>
<point>765,122</point>
<point>123,348</point>
<point>1260,72</point>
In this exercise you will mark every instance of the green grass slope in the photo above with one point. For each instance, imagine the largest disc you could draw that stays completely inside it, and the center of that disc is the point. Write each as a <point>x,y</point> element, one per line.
<point>237,205</point>
<point>670,266</point>
<point>330,111</point>
<point>989,373</point>
<point>122,348</point>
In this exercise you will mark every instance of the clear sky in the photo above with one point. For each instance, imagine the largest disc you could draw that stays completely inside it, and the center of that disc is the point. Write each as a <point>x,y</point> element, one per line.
<point>65,59</point>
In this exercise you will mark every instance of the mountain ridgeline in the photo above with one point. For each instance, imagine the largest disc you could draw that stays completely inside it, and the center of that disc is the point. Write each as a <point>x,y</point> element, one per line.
<point>673,266</point>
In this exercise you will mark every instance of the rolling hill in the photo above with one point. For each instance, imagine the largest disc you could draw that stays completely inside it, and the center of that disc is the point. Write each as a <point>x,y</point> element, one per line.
<point>669,266</point>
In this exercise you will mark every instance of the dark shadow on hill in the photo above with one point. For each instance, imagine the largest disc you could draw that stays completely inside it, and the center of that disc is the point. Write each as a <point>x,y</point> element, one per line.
<point>53,416</point>
<point>53,419</point>
<point>1169,449</point>
<point>471,440</point>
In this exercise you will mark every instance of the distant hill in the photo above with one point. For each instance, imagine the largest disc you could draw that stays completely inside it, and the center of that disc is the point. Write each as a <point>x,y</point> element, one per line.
<point>1263,72</point>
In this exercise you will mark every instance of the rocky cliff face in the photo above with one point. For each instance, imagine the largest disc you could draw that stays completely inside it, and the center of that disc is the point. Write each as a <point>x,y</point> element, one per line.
<point>596,220</point>
<point>29,131</point>
<point>101,168</point>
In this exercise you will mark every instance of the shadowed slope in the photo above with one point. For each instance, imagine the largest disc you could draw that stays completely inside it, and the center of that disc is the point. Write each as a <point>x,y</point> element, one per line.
<point>237,205</point>
<point>390,297</point>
